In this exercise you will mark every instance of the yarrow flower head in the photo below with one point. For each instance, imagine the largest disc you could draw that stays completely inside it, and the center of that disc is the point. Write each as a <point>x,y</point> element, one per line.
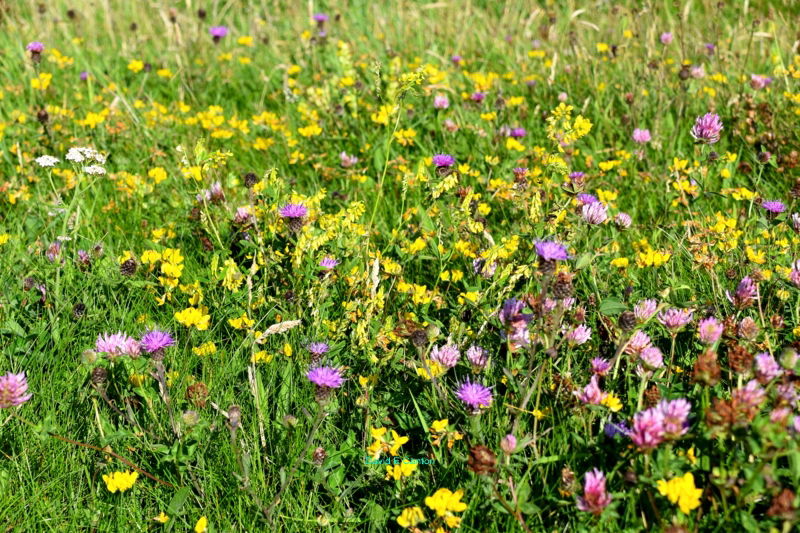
<point>156,340</point>
<point>12,390</point>
<point>707,128</point>
<point>443,160</point>
<point>47,161</point>
<point>326,376</point>
<point>474,395</point>
<point>595,497</point>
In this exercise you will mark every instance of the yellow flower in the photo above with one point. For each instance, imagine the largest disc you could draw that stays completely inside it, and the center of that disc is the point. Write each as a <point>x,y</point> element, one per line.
<point>120,481</point>
<point>42,82</point>
<point>135,66</point>
<point>192,316</point>
<point>201,526</point>
<point>439,426</point>
<point>410,517</point>
<point>4,238</point>
<point>446,502</point>
<point>243,322</point>
<point>161,518</point>
<point>433,370</point>
<point>681,491</point>
<point>261,357</point>
<point>207,348</point>
<point>397,472</point>
<point>612,402</point>
<point>620,262</point>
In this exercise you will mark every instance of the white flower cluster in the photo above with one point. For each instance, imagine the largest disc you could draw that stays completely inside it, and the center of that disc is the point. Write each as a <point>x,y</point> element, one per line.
<point>78,154</point>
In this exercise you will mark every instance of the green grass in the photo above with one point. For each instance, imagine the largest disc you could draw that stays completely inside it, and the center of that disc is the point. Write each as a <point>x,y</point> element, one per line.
<point>262,475</point>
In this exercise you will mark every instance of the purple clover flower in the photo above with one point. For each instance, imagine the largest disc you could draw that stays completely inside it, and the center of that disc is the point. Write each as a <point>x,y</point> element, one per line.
<point>12,390</point>
<point>707,128</point>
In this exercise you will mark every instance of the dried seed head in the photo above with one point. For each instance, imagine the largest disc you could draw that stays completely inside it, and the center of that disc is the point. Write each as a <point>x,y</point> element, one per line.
<point>627,321</point>
<point>250,179</point>
<point>706,370</point>
<point>197,394</point>
<point>78,310</point>
<point>739,359</point>
<point>482,460</point>
<point>319,456</point>
<point>234,416</point>
<point>652,395</point>
<point>99,375</point>
<point>128,268</point>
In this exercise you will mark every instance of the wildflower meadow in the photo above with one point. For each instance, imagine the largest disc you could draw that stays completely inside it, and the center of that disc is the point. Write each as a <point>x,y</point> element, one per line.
<point>424,266</point>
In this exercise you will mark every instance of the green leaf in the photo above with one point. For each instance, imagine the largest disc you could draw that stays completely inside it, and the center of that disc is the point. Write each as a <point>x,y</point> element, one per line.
<point>611,307</point>
<point>584,261</point>
<point>178,500</point>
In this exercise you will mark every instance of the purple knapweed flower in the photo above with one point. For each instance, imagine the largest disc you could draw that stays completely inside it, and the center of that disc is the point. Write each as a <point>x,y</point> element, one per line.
<point>443,160</point>
<point>218,32</point>
<point>12,390</point>
<point>474,395</point>
<point>707,128</point>
<point>641,136</point>
<point>318,348</point>
<point>293,211</point>
<point>84,75</point>
<point>709,330</point>
<point>595,498</point>
<point>447,355</point>
<point>675,319</point>
<point>35,47</point>
<point>456,59</point>
<point>774,206</point>
<point>517,133</point>
<point>320,18</point>
<point>156,340</point>
<point>710,48</point>
<point>585,198</point>
<point>326,376</point>
<point>328,262</point>
<point>551,251</point>
<point>478,96</point>
<point>600,366</point>
<point>612,430</point>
